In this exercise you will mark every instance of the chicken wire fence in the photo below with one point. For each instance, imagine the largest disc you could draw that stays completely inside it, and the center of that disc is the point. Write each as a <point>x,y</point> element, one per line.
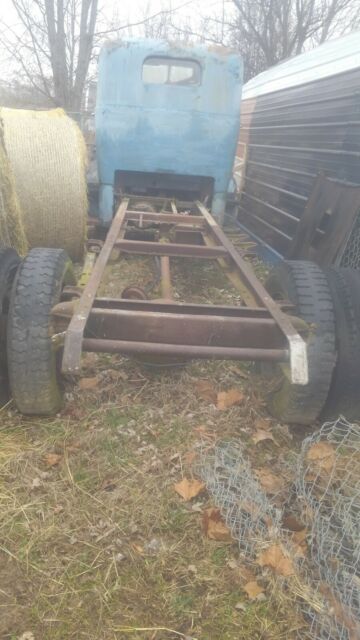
<point>248,512</point>
<point>328,487</point>
<point>326,494</point>
<point>351,255</point>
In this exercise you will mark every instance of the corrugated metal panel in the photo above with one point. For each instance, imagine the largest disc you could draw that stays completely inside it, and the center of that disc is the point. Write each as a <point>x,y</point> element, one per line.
<point>333,57</point>
<point>290,136</point>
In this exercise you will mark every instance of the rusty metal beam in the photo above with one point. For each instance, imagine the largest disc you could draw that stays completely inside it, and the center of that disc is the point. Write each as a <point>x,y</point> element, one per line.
<point>155,199</point>
<point>177,328</point>
<point>297,346</point>
<point>164,306</point>
<point>182,307</point>
<point>184,351</point>
<point>142,247</point>
<point>173,218</point>
<point>74,335</point>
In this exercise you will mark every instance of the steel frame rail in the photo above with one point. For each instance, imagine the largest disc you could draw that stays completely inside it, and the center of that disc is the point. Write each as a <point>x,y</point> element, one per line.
<point>258,330</point>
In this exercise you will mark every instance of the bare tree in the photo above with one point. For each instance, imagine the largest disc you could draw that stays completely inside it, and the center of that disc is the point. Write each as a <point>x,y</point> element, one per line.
<point>52,46</point>
<point>263,31</point>
<point>55,41</point>
<point>268,31</point>
<point>159,25</point>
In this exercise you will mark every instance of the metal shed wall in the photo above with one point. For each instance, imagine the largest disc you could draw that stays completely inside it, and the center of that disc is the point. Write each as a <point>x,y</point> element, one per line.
<point>290,135</point>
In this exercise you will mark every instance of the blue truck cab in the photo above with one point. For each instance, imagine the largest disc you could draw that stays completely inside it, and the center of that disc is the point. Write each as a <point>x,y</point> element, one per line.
<point>167,122</point>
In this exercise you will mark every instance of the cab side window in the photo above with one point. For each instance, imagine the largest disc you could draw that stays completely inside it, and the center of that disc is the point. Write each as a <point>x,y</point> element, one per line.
<point>175,71</point>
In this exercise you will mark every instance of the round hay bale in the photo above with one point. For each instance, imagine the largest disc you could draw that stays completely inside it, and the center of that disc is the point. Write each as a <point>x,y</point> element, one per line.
<point>47,156</point>
<point>12,233</point>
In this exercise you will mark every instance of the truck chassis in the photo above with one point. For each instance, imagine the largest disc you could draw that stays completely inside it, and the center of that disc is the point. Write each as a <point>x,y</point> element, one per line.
<point>258,330</point>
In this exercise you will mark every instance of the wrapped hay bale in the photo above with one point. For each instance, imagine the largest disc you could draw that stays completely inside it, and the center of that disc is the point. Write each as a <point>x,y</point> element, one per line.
<point>12,233</point>
<point>47,156</point>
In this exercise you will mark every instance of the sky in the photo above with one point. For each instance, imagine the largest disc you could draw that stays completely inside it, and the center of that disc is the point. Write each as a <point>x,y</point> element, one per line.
<point>121,12</point>
<point>133,10</point>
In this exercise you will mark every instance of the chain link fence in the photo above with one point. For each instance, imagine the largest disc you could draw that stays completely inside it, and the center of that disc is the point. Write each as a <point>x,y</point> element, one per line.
<point>325,495</point>
<point>328,487</point>
<point>351,255</point>
<point>249,514</point>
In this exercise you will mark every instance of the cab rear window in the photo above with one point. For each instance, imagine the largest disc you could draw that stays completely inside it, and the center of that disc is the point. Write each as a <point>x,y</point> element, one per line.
<point>175,71</point>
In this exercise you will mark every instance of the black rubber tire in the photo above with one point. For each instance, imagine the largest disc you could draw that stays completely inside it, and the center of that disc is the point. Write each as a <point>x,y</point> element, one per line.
<point>33,363</point>
<point>9,263</point>
<point>344,394</point>
<point>305,285</point>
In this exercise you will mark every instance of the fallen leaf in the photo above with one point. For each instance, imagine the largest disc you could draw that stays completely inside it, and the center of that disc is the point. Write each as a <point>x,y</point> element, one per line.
<point>299,540</point>
<point>36,483</point>
<point>262,424</point>
<point>205,390</point>
<point>214,527</point>
<point>189,489</point>
<point>292,523</point>
<point>299,550</point>
<point>226,399</point>
<point>52,459</point>
<point>138,548</point>
<point>269,481</point>
<point>260,435</point>
<point>88,383</point>
<point>275,558</point>
<point>253,589</point>
<point>322,456</point>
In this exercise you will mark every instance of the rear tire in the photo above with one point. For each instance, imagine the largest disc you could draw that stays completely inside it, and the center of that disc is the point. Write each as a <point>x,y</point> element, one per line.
<point>344,394</point>
<point>305,285</point>
<point>9,263</point>
<point>33,362</point>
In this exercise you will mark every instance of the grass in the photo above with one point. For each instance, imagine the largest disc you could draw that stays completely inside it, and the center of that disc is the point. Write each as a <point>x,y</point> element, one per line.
<point>99,545</point>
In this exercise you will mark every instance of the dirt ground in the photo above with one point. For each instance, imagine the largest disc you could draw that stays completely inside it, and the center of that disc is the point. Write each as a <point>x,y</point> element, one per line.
<point>95,542</point>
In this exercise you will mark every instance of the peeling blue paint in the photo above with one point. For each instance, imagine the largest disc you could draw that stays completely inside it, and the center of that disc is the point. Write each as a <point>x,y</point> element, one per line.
<point>178,129</point>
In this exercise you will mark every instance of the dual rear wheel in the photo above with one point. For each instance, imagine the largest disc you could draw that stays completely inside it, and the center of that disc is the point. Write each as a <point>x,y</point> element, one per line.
<point>329,302</point>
